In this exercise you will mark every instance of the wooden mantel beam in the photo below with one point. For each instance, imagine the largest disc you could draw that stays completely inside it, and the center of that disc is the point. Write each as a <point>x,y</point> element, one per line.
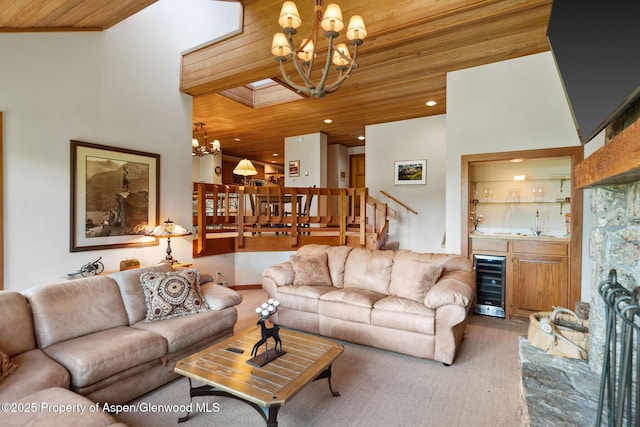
<point>617,162</point>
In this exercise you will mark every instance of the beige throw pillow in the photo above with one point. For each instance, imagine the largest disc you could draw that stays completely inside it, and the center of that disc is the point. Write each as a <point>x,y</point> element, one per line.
<point>6,366</point>
<point>172,294</point>
<point>311,270</point>
<point>412,279</point>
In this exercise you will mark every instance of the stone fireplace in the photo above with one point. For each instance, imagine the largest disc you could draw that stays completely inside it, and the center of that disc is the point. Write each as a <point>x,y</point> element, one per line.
<point>613,175</point>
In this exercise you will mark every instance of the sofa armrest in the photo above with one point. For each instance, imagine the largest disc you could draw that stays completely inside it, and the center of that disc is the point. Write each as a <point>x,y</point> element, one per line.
<point>219,297</point>
<point>457,288</point>
<point>281,274</point>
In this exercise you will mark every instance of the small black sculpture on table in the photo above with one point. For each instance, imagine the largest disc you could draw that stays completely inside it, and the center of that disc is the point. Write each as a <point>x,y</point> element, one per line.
<point>265,311</point>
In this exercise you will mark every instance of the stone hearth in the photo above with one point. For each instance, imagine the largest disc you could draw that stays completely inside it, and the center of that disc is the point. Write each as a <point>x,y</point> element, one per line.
<point>555,391</point>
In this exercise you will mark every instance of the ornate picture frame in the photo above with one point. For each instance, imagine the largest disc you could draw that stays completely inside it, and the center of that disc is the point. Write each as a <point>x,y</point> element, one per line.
<point>410,172</point>
<point>115,197</point>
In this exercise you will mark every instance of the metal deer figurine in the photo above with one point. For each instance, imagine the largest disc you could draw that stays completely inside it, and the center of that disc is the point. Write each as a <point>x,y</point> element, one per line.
<point>266,310</point>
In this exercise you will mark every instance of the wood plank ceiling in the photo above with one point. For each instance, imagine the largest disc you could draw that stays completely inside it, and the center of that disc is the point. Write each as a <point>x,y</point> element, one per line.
<point>66,15</point>
<point>403,63</point>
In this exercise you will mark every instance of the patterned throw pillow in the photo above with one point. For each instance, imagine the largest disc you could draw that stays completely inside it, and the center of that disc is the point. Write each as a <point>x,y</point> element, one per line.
<point>6,366</point>
<point>172,294</point>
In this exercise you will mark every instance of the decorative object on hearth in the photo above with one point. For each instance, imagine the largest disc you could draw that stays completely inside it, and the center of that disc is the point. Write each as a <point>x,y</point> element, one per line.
<point>89,269</point>
<point>169,229</point>
<point>245,168</point>
<point>560,333</point>
<point>129,263</point>
<point>200,144</point>
<point>266,310</point>
<point>303,57</point>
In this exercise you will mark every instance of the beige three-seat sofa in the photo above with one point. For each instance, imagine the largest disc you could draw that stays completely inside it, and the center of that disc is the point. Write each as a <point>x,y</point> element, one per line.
<point>411,303</point>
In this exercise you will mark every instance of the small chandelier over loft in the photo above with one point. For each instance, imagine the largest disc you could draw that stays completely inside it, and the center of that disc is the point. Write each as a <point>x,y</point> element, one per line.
<point>303,57</point>
<point>200,145</point>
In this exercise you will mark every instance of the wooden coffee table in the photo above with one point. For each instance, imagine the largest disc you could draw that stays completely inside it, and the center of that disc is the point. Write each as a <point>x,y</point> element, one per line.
<point>307,358</point>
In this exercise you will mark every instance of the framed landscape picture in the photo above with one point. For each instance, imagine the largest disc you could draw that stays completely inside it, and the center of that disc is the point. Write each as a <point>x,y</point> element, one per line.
<point>114,197</point>
<point>410,172</point>
<point>294,168</point>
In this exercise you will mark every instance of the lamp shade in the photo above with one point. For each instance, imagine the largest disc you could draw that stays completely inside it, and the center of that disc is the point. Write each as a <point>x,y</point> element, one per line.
<point>280,45</point>
<point>332,18</point>
<point>356,29</point>
<point>289,16</point>
<point>169,229</point>
<point>245,168</point>
<point>307,50</point>
<point>338,59</point>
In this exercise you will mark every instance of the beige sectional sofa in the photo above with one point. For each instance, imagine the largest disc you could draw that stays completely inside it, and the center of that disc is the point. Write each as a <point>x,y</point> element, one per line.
<point>90,336</point>
<point>411,303</point>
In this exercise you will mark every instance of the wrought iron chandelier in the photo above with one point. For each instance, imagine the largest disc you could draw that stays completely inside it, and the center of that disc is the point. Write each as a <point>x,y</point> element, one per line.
<point>303,57</point>
<point>200,145</point>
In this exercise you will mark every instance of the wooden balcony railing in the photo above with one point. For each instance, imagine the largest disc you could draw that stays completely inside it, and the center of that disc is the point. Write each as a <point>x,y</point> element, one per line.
<point>232,218</point>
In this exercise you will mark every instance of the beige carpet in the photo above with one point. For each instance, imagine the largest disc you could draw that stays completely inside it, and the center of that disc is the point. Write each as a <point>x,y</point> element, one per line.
<point>378,388</point>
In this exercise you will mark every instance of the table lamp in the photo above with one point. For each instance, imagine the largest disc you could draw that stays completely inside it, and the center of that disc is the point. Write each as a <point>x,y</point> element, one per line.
<point>169,229</point>
<point>245,168</point>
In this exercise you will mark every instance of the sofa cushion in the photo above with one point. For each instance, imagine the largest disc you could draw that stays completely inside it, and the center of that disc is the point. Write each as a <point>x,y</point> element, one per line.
<point>185,331</point>
<point>304,298</point>
<point>172,294</point>
<point>219,297</point>
<point>74,308</point>
<point>6,366</point>
<point>368,270</point>
<point>94,357</point>
<point>16,324</point>
<point>403,314</point>
<point>311,270</point>
<point>131,292</point>
<point>349,304</point>
<point>337,257</point>
<point>35,371</point>
<point>412,279</point>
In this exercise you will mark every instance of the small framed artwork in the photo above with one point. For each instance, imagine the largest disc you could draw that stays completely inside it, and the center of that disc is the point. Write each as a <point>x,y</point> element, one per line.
<point>410,172</point>
<point>114,197</point>
<point>294,168</point>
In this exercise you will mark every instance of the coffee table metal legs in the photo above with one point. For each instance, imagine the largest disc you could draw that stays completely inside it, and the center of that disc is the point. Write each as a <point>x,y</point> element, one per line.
<point>270,414</point>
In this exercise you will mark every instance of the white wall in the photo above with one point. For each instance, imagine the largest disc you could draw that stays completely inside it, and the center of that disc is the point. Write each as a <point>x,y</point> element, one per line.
<point>118,87</point>
<point>337,162</point>
<point>311,151</point>
<point>416,139</point>
<point>506,106</point>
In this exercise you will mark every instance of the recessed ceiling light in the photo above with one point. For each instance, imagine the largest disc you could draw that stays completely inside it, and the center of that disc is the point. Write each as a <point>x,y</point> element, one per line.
<point>430,103</point>
<point>515,160</point>
<point>275,154</point>
<point>236,139</point>
<point>327,121</point>
<point>361,137</point>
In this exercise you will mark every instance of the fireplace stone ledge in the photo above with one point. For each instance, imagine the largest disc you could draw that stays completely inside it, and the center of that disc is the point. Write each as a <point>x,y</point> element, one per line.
<point>555,391</point>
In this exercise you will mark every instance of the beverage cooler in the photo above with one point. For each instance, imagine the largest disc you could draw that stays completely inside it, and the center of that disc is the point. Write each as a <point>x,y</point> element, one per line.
<point>490,285</point>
